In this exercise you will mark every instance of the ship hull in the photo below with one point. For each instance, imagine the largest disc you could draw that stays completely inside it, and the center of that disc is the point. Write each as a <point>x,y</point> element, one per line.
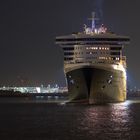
<point>95,85</point>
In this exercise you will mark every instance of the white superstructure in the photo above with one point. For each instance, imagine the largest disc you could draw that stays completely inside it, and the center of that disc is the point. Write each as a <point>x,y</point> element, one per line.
<point>94,47</point>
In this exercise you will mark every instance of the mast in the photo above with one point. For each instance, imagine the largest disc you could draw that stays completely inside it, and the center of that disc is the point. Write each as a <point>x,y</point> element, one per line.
<point>93,19</point>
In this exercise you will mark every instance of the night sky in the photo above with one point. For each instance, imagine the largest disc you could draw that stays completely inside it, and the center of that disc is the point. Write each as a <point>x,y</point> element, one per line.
<point>28,54</point>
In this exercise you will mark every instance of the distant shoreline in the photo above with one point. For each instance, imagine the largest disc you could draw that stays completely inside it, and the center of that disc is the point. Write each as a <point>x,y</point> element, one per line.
<point>10,93</point>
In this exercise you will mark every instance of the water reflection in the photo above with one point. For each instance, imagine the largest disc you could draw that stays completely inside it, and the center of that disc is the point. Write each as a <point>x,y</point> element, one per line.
<point>37,120</point>
<point>112,121</point>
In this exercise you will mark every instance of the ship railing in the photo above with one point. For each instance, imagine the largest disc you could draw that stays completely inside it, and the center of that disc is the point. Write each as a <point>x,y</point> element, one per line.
<point>93,62</point>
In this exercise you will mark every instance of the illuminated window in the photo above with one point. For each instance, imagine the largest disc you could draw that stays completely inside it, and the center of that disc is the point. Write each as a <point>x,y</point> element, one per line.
<point>117,58</point>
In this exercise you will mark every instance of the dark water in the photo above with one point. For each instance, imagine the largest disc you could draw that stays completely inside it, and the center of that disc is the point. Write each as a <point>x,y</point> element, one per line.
<point>38,120</point>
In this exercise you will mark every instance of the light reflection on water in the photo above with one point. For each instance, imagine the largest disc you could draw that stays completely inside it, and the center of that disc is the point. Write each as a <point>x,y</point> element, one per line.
<point>112,121</point>
<point>41,121</point>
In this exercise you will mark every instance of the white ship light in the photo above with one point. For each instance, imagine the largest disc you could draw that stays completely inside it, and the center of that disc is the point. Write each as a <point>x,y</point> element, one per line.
<point>96,31</point>
<point>38,89</point>
<point>121,68</point>
<point>88,30</point>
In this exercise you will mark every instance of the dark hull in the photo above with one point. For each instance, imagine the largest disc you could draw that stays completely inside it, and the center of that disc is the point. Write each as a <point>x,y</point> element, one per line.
<point>96,85</point>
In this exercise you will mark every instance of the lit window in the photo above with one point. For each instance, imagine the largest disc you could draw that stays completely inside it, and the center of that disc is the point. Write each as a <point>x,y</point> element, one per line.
<point>117,58</point>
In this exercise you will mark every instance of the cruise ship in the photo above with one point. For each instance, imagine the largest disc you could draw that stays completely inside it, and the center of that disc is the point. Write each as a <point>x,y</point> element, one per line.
<point>95,65</point>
